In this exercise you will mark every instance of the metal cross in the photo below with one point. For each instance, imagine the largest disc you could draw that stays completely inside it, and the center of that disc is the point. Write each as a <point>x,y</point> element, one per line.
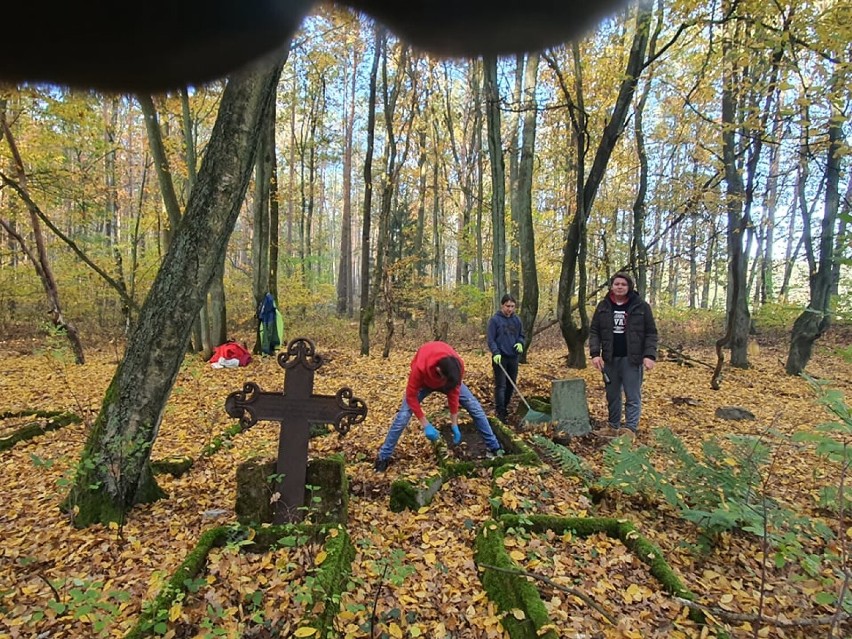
<point>296,408</point>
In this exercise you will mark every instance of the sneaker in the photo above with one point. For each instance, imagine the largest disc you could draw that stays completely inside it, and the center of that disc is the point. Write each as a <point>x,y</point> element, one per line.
<point>381,465</point>
<point>503,417</point>
<point>491,454</point>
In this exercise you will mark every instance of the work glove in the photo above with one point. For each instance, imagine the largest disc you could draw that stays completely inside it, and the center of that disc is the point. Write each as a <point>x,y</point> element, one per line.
<point>497,359</point>
<point>519,347</point>
<point>456,433</point>
<point>431,432</point>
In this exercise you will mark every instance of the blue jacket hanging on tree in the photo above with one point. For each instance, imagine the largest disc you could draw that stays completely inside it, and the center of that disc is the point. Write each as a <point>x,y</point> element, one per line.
<point>271,325</point>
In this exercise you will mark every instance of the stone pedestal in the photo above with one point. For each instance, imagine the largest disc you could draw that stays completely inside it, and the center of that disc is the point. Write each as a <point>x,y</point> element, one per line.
<point>326,493</point>
<point>570,408</point>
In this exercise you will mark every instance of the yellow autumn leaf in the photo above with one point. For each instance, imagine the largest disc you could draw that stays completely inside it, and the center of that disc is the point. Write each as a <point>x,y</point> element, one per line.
<point>175,612</point>
<point>321,555</point>
<point>415,631</point>
<point>305,631</point>
<point>517,555</point>
<point>518,614</point>
<point>333,532</point>
<point>395,630</point>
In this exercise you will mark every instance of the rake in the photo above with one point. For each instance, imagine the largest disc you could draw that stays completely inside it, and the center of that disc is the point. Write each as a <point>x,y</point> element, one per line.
<point>532,416</point>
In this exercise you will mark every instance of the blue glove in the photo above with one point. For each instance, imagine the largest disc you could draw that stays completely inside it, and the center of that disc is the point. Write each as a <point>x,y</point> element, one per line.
<point>431,433</point>
<point>497,358</point>
<point>456,433</point>
<point>519,347</point>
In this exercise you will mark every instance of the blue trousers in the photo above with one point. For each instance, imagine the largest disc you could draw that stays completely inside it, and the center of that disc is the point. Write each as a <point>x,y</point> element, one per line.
<point>625,377</point>
<point>466,400</point>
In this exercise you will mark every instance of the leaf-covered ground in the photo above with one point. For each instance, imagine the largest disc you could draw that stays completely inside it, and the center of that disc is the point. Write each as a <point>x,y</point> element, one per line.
<point>414,569</point>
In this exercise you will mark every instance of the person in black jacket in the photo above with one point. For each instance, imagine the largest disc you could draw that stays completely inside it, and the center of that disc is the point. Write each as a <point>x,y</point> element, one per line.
<point>622,345</point>
<point>506,343</point>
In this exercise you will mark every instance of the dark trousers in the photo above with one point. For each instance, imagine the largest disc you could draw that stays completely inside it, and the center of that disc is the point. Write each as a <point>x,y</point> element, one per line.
<point>502,388</point>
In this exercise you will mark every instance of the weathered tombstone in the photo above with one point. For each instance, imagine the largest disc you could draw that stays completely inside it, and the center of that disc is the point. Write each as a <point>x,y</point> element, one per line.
<point>296,408</point>
<point>570,408</point>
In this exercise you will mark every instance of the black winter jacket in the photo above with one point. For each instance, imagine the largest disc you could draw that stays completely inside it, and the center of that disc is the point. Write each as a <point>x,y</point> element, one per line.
<point>641,330</point>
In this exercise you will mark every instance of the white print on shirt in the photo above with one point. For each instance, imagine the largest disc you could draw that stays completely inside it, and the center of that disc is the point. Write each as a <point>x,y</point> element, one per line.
<point>619,321</point>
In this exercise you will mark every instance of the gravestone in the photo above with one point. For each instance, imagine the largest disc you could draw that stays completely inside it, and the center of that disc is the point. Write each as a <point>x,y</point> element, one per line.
<point>569,407</point>
<point>296,408</point>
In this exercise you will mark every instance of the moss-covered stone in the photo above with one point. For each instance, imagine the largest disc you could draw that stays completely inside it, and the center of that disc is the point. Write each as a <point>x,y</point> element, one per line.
<point>620,529</point>
<point>330,577</point>
<point>326,490</point>
<point>509,591</point>
<point>158,610</point>
<point>174,466</point>
<point>55,421</point>
<point>406,494</point>
<point>515,449</point>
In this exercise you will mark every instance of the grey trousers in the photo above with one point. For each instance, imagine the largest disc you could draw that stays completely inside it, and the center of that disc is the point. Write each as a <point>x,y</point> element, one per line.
<point>624,376</point>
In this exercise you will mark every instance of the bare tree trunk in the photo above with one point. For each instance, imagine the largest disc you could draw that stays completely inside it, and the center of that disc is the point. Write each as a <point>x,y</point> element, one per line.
<point>344,271</point>
<point>114,471</point>
<point>526,236</point>
<point>260,218</point>
<point>39,260</point>
<point>575,248</point>
<point>498,180</point>
<point>365,319</point>
<point>514,170</point>
<point>816,318</point>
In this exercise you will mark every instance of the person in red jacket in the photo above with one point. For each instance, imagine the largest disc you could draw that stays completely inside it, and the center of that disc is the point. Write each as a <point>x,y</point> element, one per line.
<point>436,367</point>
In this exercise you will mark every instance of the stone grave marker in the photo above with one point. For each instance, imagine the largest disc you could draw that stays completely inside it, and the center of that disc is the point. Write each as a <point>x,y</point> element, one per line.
<point>296,408</point>
<point>569,407</point>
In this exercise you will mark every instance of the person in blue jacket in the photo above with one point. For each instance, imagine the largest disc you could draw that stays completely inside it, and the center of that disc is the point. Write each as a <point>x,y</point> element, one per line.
<point>506,343</point>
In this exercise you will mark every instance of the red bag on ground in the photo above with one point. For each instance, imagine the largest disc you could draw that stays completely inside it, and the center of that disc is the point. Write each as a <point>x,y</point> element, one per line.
<point>231,350</point>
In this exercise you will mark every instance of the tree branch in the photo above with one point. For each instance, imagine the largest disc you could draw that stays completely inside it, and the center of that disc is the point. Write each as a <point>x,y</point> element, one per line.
<point>772,621</point>
<point>547,580</point>
<point>34,208</point>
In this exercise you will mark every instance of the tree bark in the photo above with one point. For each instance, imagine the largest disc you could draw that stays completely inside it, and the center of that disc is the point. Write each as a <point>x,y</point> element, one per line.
<point>498,180</point>
<point>344,270</point>
<point>365,318</point>
<point>816,318</point>
<point>114,472</point>
<point>523,200</point>
<point>39,260</point>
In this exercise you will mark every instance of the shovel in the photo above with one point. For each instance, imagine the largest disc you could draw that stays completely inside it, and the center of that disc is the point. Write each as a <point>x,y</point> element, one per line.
<point>532,416</point>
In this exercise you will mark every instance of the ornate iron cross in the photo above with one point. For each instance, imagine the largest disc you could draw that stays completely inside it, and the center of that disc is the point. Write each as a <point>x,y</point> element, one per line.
<point>296,409</point>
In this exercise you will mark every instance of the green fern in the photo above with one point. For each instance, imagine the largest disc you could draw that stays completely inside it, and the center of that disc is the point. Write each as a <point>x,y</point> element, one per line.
<point>568,462</point>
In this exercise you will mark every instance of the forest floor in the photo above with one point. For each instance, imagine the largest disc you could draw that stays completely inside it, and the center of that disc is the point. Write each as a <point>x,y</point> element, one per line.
<point>60,582</point>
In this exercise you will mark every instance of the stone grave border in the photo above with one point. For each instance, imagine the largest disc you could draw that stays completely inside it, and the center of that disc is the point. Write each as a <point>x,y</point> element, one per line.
<point>55,420</point>
<point>412,495</point>
<point>177,466</point>
<point>514,591</point>
<point>330,576</point>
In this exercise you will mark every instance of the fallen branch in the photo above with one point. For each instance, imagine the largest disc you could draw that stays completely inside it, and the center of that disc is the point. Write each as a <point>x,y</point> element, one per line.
<point>681,355</point>
<point>547,580</point>
<point>771,621</point>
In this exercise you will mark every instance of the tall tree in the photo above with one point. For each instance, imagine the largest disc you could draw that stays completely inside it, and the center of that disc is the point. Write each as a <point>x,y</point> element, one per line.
<point>114,472</point>
<point>344,271</point>
<point>365,319</point>
<point>39,258</point>
<point>498,179</point>
<point>816,318</point>
<point>573,256</point>
<point>523,202</point>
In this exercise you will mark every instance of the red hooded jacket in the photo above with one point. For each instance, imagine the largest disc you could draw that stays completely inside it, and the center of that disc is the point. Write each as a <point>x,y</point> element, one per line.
<point>424,374</point>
